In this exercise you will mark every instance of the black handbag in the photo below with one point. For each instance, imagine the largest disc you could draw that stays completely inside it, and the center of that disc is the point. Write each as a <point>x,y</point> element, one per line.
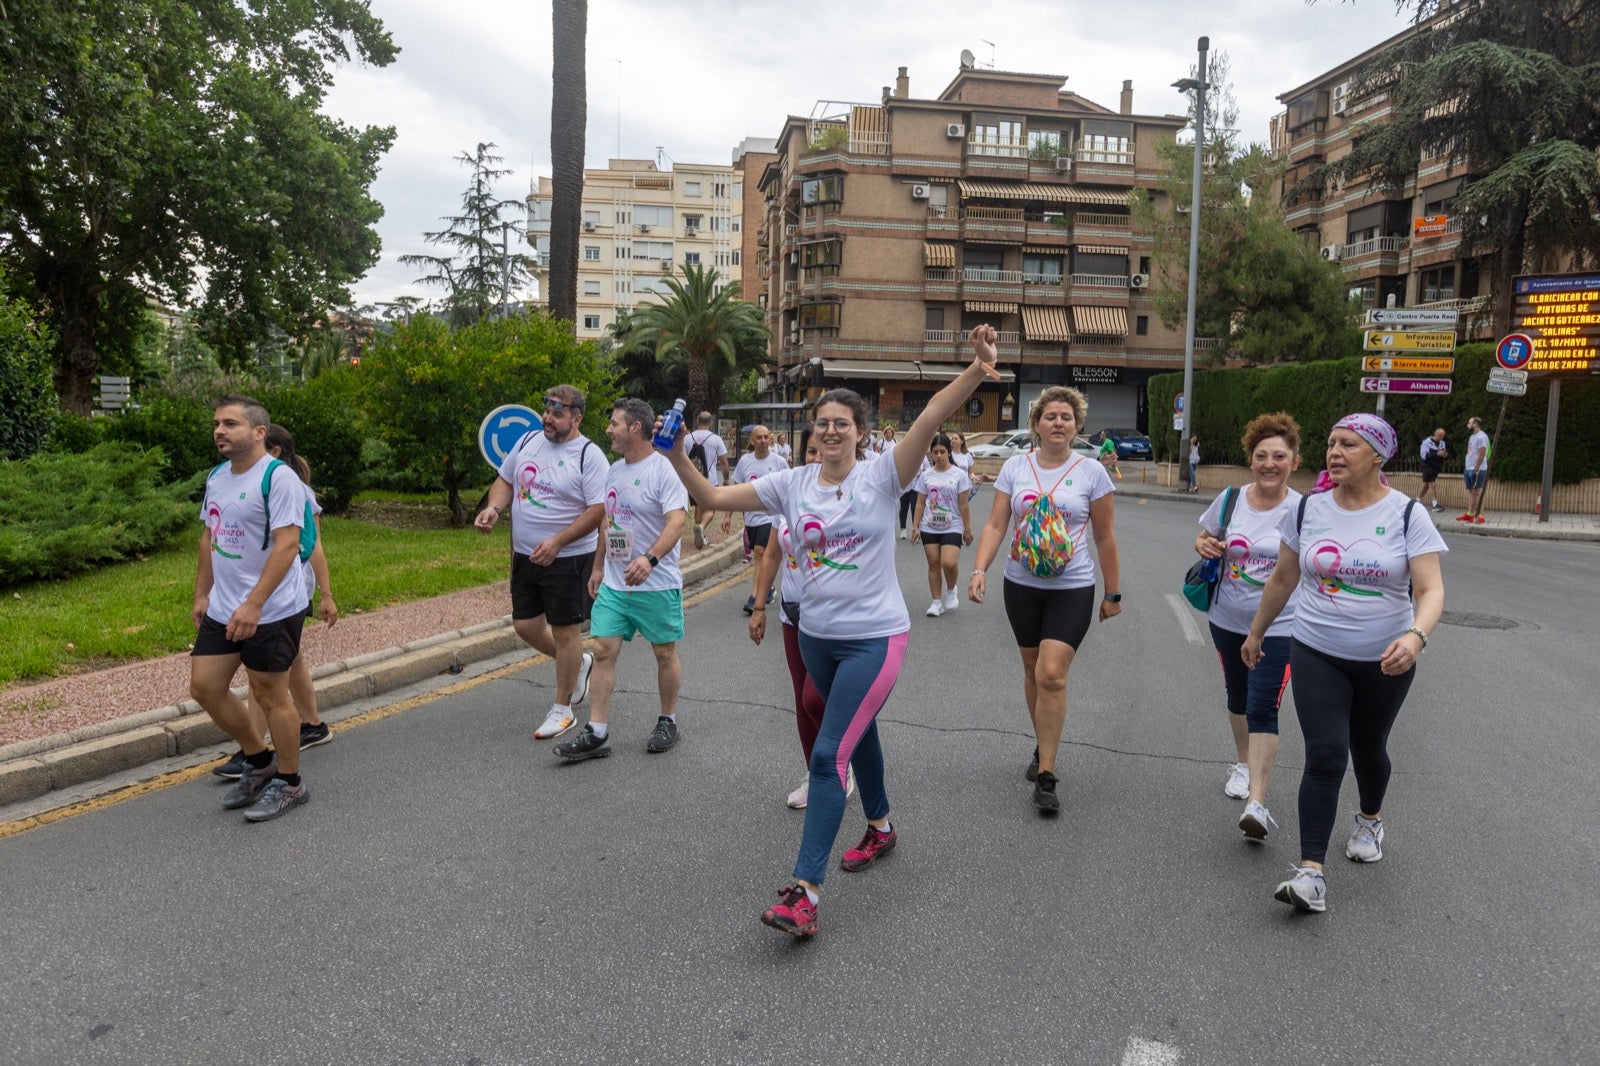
<point>1201,581</point>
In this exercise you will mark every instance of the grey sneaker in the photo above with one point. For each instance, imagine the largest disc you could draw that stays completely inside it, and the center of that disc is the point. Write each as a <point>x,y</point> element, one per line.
<point>1256,821</point>
<point>1307,890</point>
<point>1238,786</point>
<point>275,799</point>
<point>1366,841</point>
<point>585,746</point>
<point>1032,772</point>
<point>580,690</point>
<point>251,782</point>
<point>665,736</point>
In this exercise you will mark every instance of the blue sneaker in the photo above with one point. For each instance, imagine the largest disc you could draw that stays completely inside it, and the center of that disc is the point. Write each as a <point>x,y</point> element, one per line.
<point>278,797</point>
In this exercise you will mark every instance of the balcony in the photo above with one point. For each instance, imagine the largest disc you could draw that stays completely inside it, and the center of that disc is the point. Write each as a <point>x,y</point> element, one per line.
<point>996,145</point>
<point>993,274</point>
<point>1376,246</point>
<point>956,336</point>
<point>1100,281</point>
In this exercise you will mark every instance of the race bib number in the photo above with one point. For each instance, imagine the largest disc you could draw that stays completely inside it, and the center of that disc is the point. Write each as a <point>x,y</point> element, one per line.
<point>619,545</point>
<point>939,520</point>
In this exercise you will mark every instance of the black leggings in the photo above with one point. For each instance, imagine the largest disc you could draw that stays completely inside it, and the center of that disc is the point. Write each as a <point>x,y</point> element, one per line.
<point>1346,710</point>
<point>907,500</point>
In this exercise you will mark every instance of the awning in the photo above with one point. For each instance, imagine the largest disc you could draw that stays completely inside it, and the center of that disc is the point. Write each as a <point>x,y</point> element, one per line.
<point>1100,321</point>
<point>887,369</point>
<point>991,307</point>
<point>939,255</point>
<point>1100,249</point>
<point>1045,249</point>
<point>1045,323</point>
<point>1054,194</point>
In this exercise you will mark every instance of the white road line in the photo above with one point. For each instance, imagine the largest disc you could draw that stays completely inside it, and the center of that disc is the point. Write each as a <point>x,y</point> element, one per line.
<point>1180,607</point>
<point>1141,1052</point>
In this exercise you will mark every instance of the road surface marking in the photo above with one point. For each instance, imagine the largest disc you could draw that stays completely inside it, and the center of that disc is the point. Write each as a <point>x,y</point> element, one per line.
<point>1180,607</point>
<point>1141,1052</point>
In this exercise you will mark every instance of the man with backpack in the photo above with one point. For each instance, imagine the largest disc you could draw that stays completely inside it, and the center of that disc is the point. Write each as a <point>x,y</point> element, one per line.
<point>249,605</point>
<point>709,456</point>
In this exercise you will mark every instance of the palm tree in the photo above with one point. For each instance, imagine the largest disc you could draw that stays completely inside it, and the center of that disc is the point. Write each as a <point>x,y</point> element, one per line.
<point>568,114</point>
<point>706,324</point>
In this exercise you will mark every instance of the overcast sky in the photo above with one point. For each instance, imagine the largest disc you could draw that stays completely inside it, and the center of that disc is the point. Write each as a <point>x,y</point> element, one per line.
<point>695,77</point>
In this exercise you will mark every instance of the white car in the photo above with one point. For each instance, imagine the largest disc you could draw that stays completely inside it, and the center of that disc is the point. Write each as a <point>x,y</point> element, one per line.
<point>1005,445</point>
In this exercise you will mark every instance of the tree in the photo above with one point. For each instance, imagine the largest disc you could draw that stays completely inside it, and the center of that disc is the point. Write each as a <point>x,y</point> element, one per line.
<point>428,387</point>
<point>481,269</point>
<point>704,323</point>
<point>174,149</point>
<point>27,400</point>
<point>1509,90</point>
<point>569,112</point>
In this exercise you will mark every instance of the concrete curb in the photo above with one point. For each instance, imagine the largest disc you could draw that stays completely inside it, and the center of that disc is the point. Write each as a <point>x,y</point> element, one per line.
<point>33,768</point>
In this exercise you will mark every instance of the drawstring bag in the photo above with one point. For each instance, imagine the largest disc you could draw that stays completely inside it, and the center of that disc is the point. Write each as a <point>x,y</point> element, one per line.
<point>1043,542</point>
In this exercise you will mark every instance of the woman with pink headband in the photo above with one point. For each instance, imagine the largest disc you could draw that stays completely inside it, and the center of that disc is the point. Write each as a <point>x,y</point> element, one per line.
<point>1366,561</point>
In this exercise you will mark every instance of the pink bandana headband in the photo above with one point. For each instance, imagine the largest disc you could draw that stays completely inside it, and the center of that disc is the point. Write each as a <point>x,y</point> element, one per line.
<point>1372,429</point>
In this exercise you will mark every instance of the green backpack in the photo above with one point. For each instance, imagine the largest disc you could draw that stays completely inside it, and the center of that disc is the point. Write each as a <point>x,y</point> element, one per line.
<point>308,526</point>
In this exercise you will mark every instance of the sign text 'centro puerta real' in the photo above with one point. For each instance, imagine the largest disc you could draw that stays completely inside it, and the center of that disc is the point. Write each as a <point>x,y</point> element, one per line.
<point>1560,314</point>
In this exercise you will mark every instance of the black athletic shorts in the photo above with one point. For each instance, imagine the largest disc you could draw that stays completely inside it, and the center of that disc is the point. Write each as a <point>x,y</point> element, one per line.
<point>952,539</point>
<point>1430,473</point>
<point>1048,614</point>
<point>559,591</point>
<point>270,650</point>
<point>759,535</point>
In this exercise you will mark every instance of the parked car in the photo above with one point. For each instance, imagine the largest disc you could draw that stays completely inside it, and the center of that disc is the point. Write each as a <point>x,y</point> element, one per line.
<point>1131,444</point>
<point>1002,445</point>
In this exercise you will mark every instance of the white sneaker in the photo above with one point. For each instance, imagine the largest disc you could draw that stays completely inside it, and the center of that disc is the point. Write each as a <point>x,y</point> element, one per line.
<point>1306,890</point>
<point>1256,820</point>
<point>935,609</point>
<point>555,723</point>
<point>1366,841</point>
<point>699,536</point>
<point>902,534</point>
<point>800,796</point>
<point>1238,786</point>
<point>580,690</point>
<point>951,601</point>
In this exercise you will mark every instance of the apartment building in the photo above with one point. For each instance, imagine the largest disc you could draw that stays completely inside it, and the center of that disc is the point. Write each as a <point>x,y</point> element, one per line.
<point>640,223</point>
<point>1389,242</point>
<point>893,228</point>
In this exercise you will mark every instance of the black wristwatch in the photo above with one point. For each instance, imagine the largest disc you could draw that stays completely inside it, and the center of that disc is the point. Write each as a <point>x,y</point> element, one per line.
<point>654,562</point>
<point>1113,597</point>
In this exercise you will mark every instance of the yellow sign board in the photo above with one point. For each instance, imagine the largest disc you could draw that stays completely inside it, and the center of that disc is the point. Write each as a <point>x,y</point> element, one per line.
<point>1393,340</point>
<point>1409,364</point>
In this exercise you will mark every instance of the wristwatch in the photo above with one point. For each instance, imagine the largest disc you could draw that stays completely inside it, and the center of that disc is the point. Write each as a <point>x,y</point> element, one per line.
<point>654,562</point>
<point>1113,597</point>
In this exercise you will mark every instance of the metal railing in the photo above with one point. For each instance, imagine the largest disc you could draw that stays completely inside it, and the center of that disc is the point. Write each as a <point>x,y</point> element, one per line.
<point>993,144</point>
<point>939,274</point>
<point>992,214</point>
<point>1085,155</point>
<point>991,274</point>
<point>1089,218</point>
<point>1040,279</point>
<point>956,336</point>
<point>1114,281</point>
<point>1380,245</point>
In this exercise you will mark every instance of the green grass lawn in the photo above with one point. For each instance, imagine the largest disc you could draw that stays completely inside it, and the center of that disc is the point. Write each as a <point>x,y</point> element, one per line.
<point>140,610</point>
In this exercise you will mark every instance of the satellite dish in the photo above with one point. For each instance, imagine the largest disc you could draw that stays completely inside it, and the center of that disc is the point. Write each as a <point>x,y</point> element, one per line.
<point>968,60</point>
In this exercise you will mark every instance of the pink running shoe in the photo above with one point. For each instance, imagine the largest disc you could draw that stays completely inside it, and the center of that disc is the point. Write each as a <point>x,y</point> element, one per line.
<point>872,845</point>
<point>794,913</point>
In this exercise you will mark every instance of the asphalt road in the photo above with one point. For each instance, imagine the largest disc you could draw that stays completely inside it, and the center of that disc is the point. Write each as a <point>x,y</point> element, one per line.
<point>453,894</point>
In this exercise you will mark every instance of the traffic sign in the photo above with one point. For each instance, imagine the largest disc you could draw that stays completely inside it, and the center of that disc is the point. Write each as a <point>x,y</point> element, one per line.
<point>1410,364</point>
<point>1516,377</point>
<point>1514,351</point>
<point>1434,386</point>
<point>1507,388</point>
<point>1411,316</point>
<point>1394,340</point>
<point>1177,403</point>
<point>502,428</point>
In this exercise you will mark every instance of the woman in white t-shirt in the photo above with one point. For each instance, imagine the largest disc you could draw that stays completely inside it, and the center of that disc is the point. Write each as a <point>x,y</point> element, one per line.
<point>1250,545</point>
<point>941,521</point>
<point>1049,576</point>
<point>853,621</point>
<point>959,456</point>
<point>1358,553</point>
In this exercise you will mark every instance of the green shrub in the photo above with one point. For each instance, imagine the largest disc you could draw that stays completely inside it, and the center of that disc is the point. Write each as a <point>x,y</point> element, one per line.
<point>28,406</point>
<point>179,426</point>
<point>75,433</point>
<point>327,434</point>
<point>66,513</point>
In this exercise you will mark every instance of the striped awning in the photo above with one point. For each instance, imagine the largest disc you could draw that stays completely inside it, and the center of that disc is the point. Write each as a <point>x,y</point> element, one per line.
<point>1045,323</point>
<point>939,255</point>
<point>1054,194</point>
<point>991,307</point>
<point>1101,249</point>
<point>1100,321</point>
<point>1044,249</point>
<point>899,370</point>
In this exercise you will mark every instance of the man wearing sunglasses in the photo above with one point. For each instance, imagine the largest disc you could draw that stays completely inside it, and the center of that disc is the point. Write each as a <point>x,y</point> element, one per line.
<point>553,482</point>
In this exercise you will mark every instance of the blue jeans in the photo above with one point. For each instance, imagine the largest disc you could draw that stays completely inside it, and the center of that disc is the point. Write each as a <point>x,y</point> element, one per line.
<point>854,678</point>
<point>1257,694</point>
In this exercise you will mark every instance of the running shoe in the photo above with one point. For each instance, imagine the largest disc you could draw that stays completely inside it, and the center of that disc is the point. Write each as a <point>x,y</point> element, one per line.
<point>1463,518</point>
<point>1238,786</point>
<point>794,913</point>
<point>951,601</point>
<point>902,534</point>
<point>1366,841</point>
<point>1436,507</point>
<point>800,796</point>
<point>935,609</point>
<point>1307,890</point>
<point>585,746</point>
<point>1032,772</point>
<point>555,723</point>
<point>665,736</point>
<point>278,797</point>
<point>874,844</point>
<point>314,736</point>
<point>1479,519</point>
<point>233,769</point>
<point>1256,820</point>
<point>699,536</point>
<point>580,689</point>
<point>251,783</point>
<point>1044,793</point>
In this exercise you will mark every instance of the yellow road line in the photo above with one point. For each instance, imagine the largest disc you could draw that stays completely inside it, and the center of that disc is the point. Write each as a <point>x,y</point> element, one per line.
<point>192,773</point>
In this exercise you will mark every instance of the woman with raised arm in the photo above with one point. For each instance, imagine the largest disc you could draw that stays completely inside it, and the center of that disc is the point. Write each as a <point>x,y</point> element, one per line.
<point>853,620</point>
<point>1056,498</point>
<point>1358,551</point>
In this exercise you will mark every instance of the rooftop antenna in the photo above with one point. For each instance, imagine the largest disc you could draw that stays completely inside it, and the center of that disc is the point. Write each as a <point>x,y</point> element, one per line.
<point>991,52</point>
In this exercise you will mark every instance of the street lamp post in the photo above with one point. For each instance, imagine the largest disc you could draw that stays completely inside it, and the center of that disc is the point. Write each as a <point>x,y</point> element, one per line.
<point>1198,85</point>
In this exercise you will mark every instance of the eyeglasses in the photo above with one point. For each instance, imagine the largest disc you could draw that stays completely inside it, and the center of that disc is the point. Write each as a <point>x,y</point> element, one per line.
<point>557,407</point>
<point>838,425</point>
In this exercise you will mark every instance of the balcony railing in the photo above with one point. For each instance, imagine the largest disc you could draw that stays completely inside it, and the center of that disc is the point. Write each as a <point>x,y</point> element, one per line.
<point>1380,245</point>
<point>1086,218</point>
<point>992,214</point>
<point>996,145</point>
<point>1013,277</point>
<point>1040,279</point>
<point>1110,281</point>
<point>939,211</point>
<point>1115,158</point>
<point>1470,305</point>
<point>956,336</point>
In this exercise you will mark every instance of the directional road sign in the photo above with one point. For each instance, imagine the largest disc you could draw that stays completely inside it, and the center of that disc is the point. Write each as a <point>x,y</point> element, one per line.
<point>1507,388</point>
<point>1434,386</point>
<point>1515,377</point>
<point>1410,364</point>
<point>1410,316</point>
<point>501,430</point>
<point>1393,340</point>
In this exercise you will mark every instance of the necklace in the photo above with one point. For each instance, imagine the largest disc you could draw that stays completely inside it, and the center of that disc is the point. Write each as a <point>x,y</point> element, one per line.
<point>824,480</point>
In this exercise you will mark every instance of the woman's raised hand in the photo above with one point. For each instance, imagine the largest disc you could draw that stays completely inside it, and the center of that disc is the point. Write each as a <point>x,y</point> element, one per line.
<point>983,346</point>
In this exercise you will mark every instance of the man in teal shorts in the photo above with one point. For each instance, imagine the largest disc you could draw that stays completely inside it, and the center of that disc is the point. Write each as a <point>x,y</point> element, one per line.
<point>636,584</point>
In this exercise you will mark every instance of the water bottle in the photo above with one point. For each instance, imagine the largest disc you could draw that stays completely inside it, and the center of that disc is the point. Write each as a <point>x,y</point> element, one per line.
<point>1210,570</point>
<point>666,437</point>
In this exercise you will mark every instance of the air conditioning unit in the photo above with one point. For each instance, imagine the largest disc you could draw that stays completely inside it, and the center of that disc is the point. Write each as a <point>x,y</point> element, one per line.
<point>644,227</point>
<point>1341,98</point>
<point>666,264</point>
<point>691,231</point>
<point>588,227</point>
<point>1063,162</point>
<point>919,192</point>
<point>955,130</point>
<point>1139,281</point>
<point>1333,252</point>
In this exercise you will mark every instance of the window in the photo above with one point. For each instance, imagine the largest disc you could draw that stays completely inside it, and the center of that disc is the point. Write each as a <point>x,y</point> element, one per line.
<point>652,215</point>
<point>652,249</point>
<point>821,254</point>
<point>624,285</point>
<point>736,226</point>
<point>1106,141</point>
<point>1438,283</point>
<point>1100,264</point>
<point>933,318</point>
<point>828,189</point>
<point>1366,292</point>
<point>820,316</point>
<point>736,257</point>
<point>1440,198</point>
<point>592,216</point>
<point>719,189</point>
<point>1041,269</point>
<point>691,225</point>
<point>591,321</point>
<point>624,218</point>
<point>997,135</point>
<point>1144,264</point>
<point>691,188</point>
<point>691,258</point>
<point>591,253</point>
<point>738,190</point>
<point>1141,326</point>
<point>1312,107</point>
<point>722,259</point>
<point>591,288</point>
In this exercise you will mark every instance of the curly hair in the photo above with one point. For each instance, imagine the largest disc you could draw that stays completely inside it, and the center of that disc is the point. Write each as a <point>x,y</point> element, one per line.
<point>1277,424</point>
<point>1058,394</point>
